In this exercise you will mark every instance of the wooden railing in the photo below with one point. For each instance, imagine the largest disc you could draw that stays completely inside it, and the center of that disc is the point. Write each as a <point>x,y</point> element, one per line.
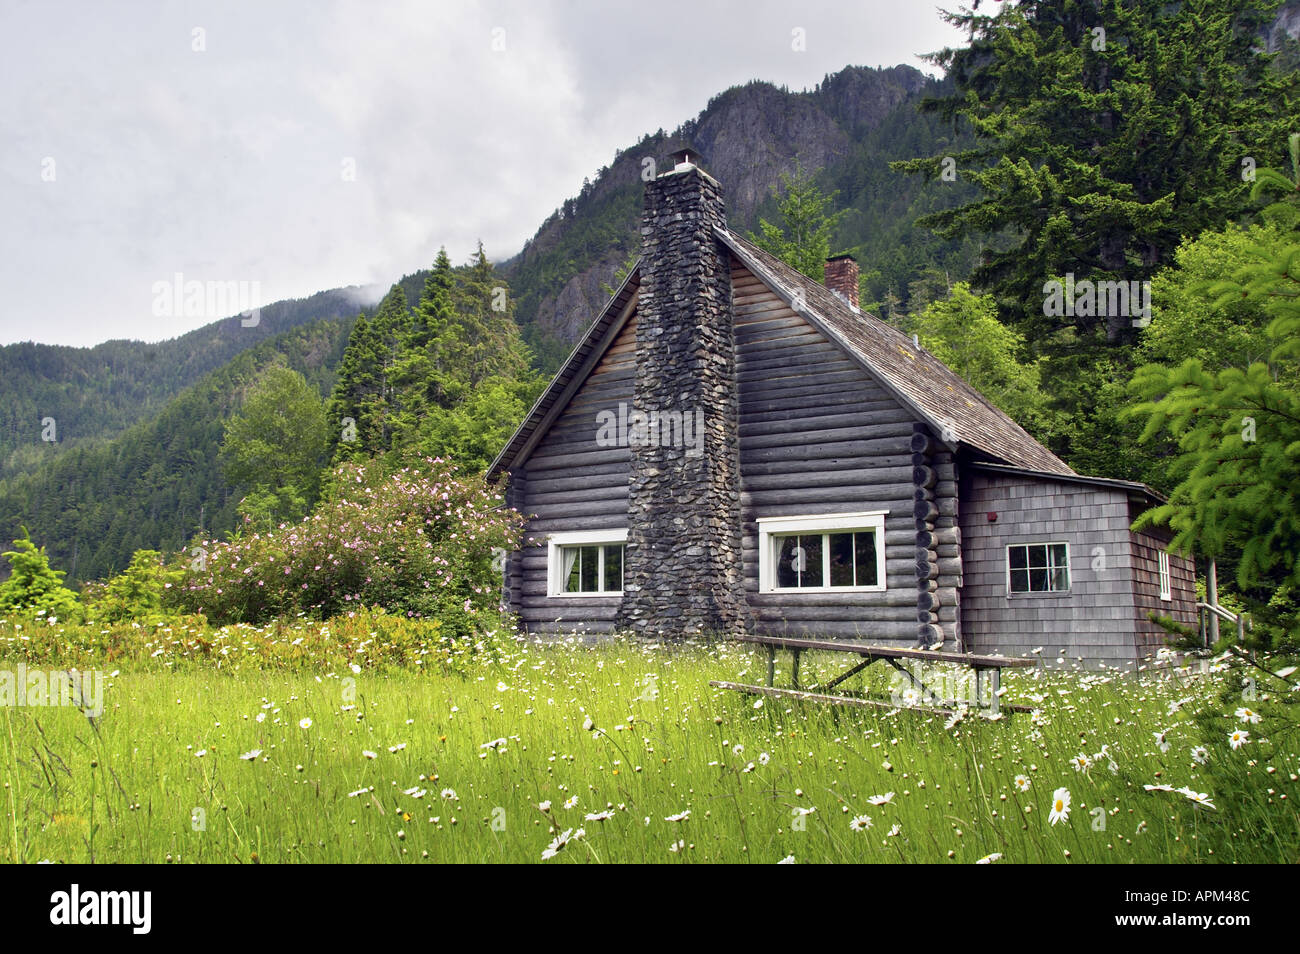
<point>1208,616</point>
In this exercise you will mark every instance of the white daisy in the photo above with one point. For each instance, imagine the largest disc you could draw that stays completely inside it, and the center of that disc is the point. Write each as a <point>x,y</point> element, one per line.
<point>1022,783</point>
<point>1060,806</point>
<point>251,754</point>
<point>1238,737</point>
<point>989,859</point>
<point>1248,715</point>
<point>305,723</point>
<point>680,816</point>
<point>881,799</point>
<point>860,823</point>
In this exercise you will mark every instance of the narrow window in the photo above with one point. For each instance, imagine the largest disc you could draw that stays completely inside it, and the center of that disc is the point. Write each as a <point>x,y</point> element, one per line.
<point>1166,586</point>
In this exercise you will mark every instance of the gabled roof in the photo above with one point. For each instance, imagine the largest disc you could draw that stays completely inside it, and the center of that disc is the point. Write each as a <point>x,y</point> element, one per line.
<point>923,383</point>
<point>573,372</point>
<point>938,395</point>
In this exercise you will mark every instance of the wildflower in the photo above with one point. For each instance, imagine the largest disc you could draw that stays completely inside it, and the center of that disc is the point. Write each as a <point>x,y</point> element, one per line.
<point>261,717</point>
<point>599,816</point>
<point>1060,806</point>
<point>1160,740</point>
<point>677,846</point>
<point>1200,754</point>
<point>787,860</point>
<point>200,753</point>
<point>1200,798</point>
<point>1248,715</point>
<point>544,806</point>
<point>680,816</point>
<point>368,754</point>
<point>895,831</point>
<point>587,724</point>
<point>557,845</point>
<point>1022,783</point>
<point>737,749</point>
<point>305,723</point>
<point>989,859</point>
<point>449,794</point>
<point>356,670</point>
<point>415,792</point>
<point>397,748</point>
<point>1081,763</point>
<point>764,758</point>
<point>572,802</point>
<point>911,696</point>
<point>860,823</point>
<point>1158,788</point>
<point>1238,737</point>
<point>495,743</point>
<point>881,799</point>
<point>250,755</point>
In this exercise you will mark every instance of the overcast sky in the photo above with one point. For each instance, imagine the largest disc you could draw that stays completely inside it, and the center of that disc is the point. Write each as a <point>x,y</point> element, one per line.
<point>310,145</point>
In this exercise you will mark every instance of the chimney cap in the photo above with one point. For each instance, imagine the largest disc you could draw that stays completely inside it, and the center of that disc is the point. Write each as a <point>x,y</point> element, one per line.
<point>685,155</point>
<point>836,258</point>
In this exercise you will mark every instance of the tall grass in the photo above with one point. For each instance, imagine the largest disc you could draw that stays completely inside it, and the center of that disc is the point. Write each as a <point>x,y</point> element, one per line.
<point>494,756</point>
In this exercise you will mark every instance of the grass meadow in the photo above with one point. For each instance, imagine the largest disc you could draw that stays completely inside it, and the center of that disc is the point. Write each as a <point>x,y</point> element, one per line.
<point>622,752</point>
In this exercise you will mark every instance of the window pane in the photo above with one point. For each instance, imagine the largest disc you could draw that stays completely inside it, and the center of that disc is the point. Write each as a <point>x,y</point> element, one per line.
<point>841,559</point>
<point>812,571</point>
<point>1058,555</point>
<point>590,561</point>
<point>1037,580</point>
<point>570,557</point>
<point>1060,578</point>
<point>787,572</point>
<point>613,568</point>
<point>1017,556</point>
<point>864,545</point>
<point>1020,581</point>
<point>1037,556</point>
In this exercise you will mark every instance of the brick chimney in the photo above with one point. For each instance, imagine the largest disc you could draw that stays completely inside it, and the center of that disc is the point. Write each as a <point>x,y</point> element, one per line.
<point>842,278</point>
<point>682,569</point>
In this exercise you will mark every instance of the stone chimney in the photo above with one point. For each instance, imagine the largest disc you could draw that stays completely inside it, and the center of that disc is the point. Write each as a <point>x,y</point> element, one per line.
<point>682,569</point>
<point>842,278</point>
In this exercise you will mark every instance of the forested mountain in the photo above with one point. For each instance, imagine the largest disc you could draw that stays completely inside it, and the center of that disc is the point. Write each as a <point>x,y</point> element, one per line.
<point>159,483</point>
<point>846,131</point>
<point>95,393</point>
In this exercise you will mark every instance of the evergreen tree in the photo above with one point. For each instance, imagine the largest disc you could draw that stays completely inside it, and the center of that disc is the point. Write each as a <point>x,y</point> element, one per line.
<point>803,238</point>
<point>419,375</point>
<point>1107,131</point>
<point>33,586</point>
<point>1238,432</point>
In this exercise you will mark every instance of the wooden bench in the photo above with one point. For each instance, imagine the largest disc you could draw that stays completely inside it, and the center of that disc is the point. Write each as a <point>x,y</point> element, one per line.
<point>988,673</point>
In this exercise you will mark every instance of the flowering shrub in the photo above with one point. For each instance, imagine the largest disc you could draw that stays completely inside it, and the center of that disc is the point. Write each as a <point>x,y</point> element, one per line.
<point>418,542</point>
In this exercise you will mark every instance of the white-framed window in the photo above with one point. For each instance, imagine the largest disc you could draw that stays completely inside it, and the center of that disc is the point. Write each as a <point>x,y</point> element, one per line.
<point>1038,568</point>
<point>1166,585</point>
<point>840,553</point>
<point>585,563</point>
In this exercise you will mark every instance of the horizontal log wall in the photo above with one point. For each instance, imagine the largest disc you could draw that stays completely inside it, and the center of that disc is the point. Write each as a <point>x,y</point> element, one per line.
<point>571,483</point>
<point>818,435</point>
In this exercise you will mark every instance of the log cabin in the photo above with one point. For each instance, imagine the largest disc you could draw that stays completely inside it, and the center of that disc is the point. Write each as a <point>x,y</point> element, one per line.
<point>733,448</point>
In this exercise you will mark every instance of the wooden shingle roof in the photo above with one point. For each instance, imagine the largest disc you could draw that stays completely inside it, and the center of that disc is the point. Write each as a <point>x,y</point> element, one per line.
<point>921,381</point>
<point>954,410</point>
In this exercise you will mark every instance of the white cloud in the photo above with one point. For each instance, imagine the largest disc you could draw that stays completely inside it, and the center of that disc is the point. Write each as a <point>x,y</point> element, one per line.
<point>227,164</point>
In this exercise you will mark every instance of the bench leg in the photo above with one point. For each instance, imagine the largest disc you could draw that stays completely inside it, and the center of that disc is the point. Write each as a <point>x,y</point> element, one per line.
<point>988,682</point>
